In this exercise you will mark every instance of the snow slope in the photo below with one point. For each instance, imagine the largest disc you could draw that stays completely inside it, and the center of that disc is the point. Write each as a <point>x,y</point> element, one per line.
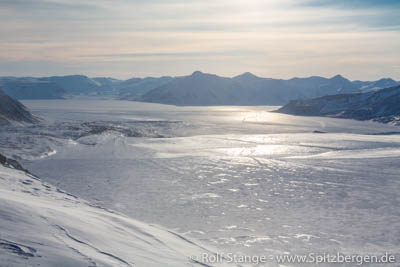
<point>12,110</point>
<point>44,226</point>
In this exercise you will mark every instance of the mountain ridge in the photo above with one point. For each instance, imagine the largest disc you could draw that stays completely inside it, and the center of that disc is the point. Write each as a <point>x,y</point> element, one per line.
<point>243,89</point>
<point>381,106</point>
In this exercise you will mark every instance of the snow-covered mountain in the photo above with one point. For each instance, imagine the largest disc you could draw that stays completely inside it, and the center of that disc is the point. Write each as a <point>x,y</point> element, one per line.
<point>59,87</point>
<point>376,85</point>
<point>382,105</point>
<point>78,84</point>
<point>196,89</point>
<point>319,86</point>
<point>31,88</point>
<point>127,89</point>
<point>12,110</point>
<point>132,88</point>
<point>246,89</point>
<point>276,91</point>
<point>44,226</point>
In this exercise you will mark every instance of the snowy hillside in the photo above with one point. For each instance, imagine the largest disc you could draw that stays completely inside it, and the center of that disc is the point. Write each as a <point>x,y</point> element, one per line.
<point>58,229</point>
<point>13,111</point>
<point>382,106</point>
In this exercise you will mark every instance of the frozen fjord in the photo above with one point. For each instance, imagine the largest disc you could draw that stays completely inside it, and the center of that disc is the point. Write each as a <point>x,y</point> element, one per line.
<point>240,178</point>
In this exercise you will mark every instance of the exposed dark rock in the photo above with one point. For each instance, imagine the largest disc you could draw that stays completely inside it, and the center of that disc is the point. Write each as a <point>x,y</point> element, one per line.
<point>12,110</point>
<point>11,163</point>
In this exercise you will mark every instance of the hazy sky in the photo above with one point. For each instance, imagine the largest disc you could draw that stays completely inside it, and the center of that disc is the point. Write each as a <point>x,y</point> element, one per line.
<point>271,38</point>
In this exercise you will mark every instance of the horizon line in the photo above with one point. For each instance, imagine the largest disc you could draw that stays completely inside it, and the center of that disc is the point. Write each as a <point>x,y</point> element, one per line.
<point>196,71</point>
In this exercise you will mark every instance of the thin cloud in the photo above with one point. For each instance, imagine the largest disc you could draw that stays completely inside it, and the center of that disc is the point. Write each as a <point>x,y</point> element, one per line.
<point>353,3</point>
<point>175,35</point>
<point>177,54</point>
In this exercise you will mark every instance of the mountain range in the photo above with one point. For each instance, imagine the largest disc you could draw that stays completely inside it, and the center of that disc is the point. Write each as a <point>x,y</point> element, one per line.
<point>248,89</point>
<point>31,88</point>
<point>382,106</point>
<point>195,89</point>
<point>60,87</point>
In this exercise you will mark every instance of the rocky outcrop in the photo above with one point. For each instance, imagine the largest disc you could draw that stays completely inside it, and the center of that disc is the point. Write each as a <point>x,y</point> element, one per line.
<point>12,110</point>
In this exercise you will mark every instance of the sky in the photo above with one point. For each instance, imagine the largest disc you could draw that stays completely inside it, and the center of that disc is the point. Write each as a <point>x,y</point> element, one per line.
<point>359,39</point>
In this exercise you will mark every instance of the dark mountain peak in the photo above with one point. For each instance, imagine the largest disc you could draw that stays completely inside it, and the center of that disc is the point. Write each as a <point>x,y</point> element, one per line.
<point>339,78</point>
<point>246,75</point>
<point>201,75</point>
<point>197,73</point>
<point>386,80</point>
